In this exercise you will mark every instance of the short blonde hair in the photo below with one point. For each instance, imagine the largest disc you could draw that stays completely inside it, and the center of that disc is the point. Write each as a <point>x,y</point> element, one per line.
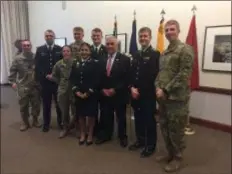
<point>78,29</point>
<point>173,22</point>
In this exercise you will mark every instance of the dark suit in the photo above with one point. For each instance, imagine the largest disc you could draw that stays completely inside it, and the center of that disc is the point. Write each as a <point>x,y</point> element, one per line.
<point>100,54</point>
<point>45,59</point>
<point>118,80</point>
<point>144,69</point>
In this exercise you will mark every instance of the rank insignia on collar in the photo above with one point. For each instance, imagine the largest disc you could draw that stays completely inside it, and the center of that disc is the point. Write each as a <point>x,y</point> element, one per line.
<point>77,64</point>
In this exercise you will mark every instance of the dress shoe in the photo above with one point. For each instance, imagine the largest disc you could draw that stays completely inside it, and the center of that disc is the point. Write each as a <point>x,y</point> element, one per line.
<point>81,142</point>
<point>101,141</point>
<point>147,152</point>
<point>88,143</point>
<point>45,129</point>
<point>135,146</point>
<point>123,142</point>
<point>24,127</point>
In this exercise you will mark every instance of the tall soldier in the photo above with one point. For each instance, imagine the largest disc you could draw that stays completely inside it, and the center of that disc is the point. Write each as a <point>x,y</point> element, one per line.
<point>114,93</point>
<point>144,69</point>
<point>22,79</point>
<point>172,90</point>
<point>99,52</point>
<point>46,57</point>
<point>78,34</point>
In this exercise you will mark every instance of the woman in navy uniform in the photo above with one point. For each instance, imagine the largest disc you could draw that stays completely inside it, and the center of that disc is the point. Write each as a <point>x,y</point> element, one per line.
<point>85,79</point>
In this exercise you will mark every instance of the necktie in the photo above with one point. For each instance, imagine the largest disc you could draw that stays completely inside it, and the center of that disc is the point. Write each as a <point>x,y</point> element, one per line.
<point>96,50</point>
<point>108,67</point>
<point>50,48</point>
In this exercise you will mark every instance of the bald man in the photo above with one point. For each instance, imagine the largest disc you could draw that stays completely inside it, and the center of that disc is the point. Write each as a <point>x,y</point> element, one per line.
<point>114,93</point>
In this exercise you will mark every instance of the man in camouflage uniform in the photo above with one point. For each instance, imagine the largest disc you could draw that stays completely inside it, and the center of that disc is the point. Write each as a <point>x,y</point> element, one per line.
<point>18,46</point>
<point>172,92</point>
<point>28,92</point>
<point>78,34</point>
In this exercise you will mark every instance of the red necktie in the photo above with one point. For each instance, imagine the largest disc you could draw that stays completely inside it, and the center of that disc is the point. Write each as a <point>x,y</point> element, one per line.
<point>108,66</point>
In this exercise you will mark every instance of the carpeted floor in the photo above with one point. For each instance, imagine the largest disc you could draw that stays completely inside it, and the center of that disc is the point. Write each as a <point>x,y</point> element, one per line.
<point>34,152</point>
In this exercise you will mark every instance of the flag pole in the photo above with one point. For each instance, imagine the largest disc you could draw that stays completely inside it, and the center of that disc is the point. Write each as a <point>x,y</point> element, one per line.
<point>162,13</point>
<point>188,129</point>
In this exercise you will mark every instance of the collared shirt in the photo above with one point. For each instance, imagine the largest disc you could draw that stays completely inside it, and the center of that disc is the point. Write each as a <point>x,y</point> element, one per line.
<point>112,58</point>
<point>84,60</point>
<point>145,49</point>
<point>97,47</point>
<point>52,46</point>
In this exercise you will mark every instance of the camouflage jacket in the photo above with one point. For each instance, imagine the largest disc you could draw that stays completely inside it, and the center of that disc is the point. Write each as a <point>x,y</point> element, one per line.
<point>75,46</point>
<point>60,74</point>
<point>22,70</point>
<point>175,70</point>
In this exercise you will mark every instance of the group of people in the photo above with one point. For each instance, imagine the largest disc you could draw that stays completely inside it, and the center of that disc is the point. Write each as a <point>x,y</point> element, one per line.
<point>97,82</point>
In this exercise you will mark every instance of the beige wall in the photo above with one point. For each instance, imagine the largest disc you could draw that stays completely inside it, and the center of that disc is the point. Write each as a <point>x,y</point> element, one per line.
<point>47,14</point>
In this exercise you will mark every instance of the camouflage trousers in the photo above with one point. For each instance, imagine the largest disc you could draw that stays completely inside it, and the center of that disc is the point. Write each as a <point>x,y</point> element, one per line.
<point>172,123</point>
<point>29,96</point>
<point>64,101</point>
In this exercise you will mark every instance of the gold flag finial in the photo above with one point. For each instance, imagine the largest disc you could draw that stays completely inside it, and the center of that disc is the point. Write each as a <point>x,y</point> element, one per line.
<point>194,9</point>
<point>162,13</point>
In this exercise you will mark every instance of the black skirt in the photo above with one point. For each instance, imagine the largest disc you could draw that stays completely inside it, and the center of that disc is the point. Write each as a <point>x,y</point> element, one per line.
<point>87,107</point>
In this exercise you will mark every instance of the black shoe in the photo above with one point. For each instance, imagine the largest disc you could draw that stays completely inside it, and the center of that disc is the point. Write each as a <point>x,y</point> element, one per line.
<point>123,142</point>
<point>88,143</point>
<point>45,129</point>
<point>136,146</point>
<point>81,142</point>
<point>101,141</point>
<point>147,152</point>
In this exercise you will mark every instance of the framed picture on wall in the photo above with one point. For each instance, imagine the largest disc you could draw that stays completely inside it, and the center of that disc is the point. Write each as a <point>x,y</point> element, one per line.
<point>122,42</point>
<point>217,49</point>
<point>62,41</point>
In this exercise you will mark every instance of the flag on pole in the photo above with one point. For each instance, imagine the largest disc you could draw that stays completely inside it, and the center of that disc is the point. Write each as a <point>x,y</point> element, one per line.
<point>133,41</point>
<point>192,41</point>
<point>160,37</point>
<point>115,32</point>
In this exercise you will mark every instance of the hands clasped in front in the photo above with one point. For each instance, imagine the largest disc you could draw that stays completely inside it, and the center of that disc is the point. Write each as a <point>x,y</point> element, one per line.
<point>108,92</point>
<point>82,95</point>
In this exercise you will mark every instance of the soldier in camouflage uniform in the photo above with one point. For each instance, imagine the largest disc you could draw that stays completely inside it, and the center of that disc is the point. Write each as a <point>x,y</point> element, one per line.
<point>28,90</point>
<point>60,74</point>
<point>172,90</point>
<point>78,34</point>
<point>18,46</point>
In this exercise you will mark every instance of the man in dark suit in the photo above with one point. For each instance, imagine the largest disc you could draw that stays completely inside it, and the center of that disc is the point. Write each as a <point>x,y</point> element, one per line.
<point>99,52</point>
<point>46,57</point>
<point>144,69</point>
<point>98,49</point>
<point>114,93</point>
